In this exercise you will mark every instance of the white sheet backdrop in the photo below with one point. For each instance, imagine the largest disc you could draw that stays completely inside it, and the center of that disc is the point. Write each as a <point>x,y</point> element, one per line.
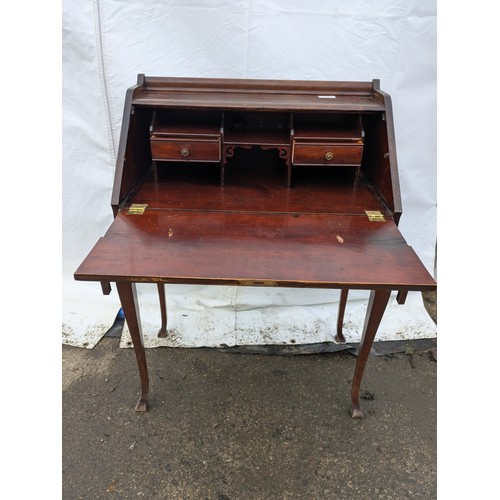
<point>106,43</point>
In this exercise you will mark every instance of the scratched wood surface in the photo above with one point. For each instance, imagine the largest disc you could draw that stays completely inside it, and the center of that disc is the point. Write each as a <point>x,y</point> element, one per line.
<point>257,95</point>
<point>255,181</point>
<point>306,250</point>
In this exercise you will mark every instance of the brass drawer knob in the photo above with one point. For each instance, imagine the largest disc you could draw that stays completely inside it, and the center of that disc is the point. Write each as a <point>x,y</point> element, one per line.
<point>328,155</point>
<point>184,151</point>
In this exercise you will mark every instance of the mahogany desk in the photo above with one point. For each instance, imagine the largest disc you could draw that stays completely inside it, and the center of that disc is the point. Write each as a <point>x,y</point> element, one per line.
<point>254,209</point>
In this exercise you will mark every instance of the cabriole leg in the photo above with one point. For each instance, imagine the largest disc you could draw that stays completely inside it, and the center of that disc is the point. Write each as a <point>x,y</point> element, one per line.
<point>401,296</point>
<point>340,318</point>
<point>162,333</point>
<point>376,307</point>
<point>128,298</point>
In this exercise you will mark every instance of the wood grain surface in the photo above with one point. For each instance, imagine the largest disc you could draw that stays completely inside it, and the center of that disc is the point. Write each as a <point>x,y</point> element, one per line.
<point>303,250</point>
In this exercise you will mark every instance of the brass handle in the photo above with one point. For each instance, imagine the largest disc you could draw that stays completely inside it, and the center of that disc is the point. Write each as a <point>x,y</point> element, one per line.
<point>184,151</point>
<point>328,155</point>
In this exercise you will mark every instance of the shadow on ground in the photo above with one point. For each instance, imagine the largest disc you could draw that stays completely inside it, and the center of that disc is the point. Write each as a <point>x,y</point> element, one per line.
<point>241,426</point>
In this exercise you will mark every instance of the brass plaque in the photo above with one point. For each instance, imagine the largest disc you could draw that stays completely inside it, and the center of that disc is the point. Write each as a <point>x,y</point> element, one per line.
<point>258,283</point>
<point>375,215</point>
<point>136,209</point>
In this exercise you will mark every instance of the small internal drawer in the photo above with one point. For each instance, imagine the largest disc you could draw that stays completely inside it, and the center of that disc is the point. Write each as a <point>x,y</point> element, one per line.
<point>326,154</point>
<point>175,150</point>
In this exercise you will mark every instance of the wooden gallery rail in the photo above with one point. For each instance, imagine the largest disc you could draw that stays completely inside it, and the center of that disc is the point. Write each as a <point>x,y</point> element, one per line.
<point>256,183</point>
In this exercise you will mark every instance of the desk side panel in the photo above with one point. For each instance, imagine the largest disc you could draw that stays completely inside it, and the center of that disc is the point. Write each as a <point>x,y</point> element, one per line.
<point>380,165</point>
<point>133,162</point>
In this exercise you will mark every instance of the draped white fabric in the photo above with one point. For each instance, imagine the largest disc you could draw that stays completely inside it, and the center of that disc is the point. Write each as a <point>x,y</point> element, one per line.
<point>106,43</point>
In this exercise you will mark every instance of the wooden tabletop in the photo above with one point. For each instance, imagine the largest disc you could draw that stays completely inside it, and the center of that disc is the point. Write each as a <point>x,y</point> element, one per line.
<point>233,248</point>
<point>284,102</point>
<point>257,95</point>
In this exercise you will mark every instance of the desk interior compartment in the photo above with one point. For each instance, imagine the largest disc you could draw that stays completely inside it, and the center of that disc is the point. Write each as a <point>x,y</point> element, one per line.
<point>327,139</point>
<point>257,129</point>
<point>185,135</point>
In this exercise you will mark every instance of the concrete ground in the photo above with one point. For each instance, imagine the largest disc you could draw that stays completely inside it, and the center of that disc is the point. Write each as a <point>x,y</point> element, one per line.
<point>247,426</point>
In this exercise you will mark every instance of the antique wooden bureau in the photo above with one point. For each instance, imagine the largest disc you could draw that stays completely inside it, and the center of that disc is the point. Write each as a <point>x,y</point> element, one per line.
<point>256,183</point>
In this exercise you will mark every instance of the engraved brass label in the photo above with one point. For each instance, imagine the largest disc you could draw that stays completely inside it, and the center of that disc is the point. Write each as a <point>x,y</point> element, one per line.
<point>136,209</point>
<point>375,215</point>
<point>258,283</point>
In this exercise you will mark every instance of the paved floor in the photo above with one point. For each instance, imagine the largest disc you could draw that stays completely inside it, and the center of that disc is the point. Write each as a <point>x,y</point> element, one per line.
<point>241,426</point>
